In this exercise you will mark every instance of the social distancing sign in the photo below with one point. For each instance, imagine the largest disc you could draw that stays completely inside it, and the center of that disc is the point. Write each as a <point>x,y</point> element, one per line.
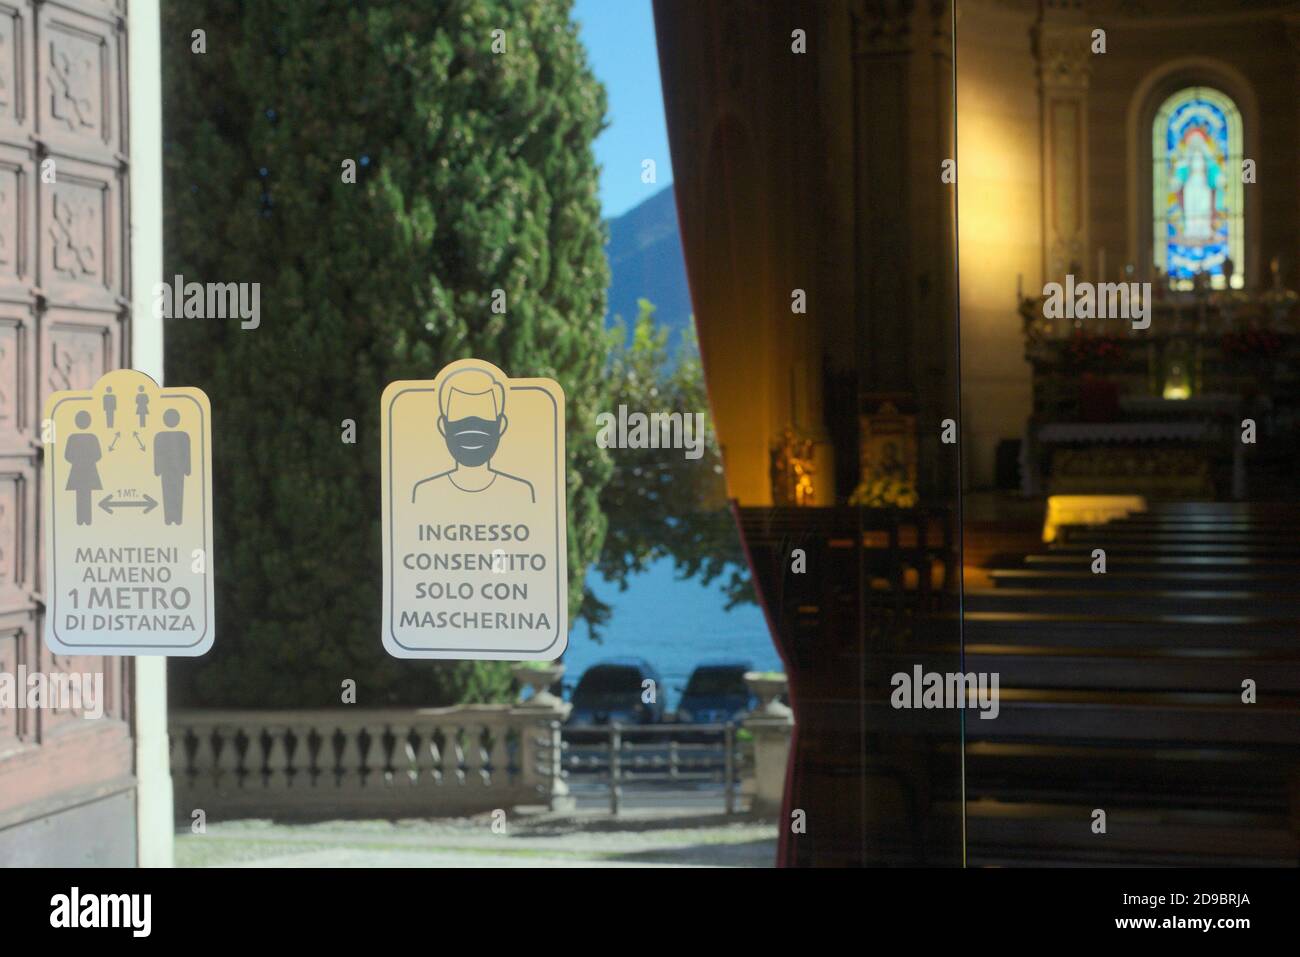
<point>128,519</point>
<point>474,516</point>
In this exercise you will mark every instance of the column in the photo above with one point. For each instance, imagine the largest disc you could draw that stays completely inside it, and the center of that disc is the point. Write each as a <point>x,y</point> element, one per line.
<point>1062,46</point>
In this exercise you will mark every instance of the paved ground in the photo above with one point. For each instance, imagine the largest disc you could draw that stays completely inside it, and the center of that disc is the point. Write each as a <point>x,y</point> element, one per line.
<point>661,837</point>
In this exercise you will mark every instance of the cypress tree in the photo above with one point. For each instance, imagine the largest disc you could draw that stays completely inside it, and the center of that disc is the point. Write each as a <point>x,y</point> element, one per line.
<point>474,173</point>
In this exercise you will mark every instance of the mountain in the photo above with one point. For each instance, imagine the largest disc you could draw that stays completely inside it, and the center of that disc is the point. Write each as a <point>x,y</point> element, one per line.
<point>646,262</point>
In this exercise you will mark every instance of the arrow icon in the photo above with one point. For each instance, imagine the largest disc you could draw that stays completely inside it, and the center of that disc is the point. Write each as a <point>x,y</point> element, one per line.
<point>137,440</point>
<point>149,504</point>
<point>116,436</point>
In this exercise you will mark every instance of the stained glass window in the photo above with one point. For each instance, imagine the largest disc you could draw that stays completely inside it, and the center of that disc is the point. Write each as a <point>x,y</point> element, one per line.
<point>1199,219</point>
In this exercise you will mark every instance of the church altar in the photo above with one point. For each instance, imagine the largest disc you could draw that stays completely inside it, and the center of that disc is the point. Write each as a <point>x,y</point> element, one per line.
<point>1159,411</point>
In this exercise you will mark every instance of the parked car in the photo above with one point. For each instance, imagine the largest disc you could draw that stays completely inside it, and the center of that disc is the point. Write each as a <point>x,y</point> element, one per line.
<point>716,693</point>
<point>613,690</point>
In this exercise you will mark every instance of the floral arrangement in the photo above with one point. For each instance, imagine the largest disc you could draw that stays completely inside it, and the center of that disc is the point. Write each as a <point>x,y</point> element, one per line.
<point>884,491</point>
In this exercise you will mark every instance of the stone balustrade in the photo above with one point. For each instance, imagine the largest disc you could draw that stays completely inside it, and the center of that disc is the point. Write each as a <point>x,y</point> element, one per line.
<point>351,762</point>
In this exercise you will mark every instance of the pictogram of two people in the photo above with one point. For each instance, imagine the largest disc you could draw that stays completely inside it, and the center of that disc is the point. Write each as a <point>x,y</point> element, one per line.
<point>171,459</point>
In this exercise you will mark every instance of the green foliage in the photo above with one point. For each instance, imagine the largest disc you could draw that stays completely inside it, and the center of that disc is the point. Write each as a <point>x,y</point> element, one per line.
<point>659,503</point>
<point>474,172</point>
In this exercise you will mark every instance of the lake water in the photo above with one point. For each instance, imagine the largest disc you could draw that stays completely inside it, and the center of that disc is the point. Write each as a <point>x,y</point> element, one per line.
<point>673,625</point>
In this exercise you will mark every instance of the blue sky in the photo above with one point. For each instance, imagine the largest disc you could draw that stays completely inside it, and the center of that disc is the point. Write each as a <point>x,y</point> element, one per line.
<point>620,40</point>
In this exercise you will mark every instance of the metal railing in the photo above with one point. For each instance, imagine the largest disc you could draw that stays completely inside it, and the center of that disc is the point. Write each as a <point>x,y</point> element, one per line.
<point>667,753</point>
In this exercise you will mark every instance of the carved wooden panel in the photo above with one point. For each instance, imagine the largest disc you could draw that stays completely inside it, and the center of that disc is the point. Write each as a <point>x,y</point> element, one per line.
<point>17,375</point>
<point>78,346</point>
<point>65,718</point>
<point>77,77</point>
<point>80,235</point>
<point>15,70</point>
<point>17,725</point>
<point>17,221</point>
<point>11,378</point>
<point>17,535</point>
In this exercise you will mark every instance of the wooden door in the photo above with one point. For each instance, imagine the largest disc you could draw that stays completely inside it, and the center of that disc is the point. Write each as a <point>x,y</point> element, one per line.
<point>67,786</point>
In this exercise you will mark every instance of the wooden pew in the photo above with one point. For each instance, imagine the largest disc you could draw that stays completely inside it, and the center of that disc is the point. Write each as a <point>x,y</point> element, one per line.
<point>1185,602</point>
<point>1122,691</point>
<point>1078,579</point>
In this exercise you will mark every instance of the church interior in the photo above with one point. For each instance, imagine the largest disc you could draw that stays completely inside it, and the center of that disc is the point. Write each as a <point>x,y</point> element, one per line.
<point>997,307</point>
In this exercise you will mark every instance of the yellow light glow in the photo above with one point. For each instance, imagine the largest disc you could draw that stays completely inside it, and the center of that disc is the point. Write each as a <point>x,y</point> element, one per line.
<point>1087,510</point>
<point>1178,381</point>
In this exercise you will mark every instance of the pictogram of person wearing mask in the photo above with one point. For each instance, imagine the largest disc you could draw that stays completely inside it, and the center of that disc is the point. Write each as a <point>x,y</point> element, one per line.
<point>472,420</point>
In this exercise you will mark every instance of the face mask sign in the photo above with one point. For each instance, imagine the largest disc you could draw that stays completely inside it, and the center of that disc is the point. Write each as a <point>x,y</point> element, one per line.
<point>472,441</point>
<point>474,516</point>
